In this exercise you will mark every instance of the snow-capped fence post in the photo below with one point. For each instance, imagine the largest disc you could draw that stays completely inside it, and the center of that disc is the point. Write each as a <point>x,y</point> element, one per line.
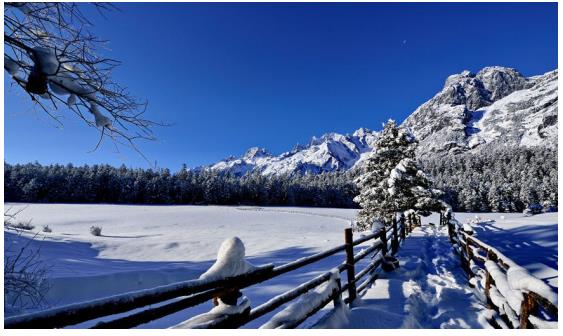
<point>350,269</point>
<point>395,241</point>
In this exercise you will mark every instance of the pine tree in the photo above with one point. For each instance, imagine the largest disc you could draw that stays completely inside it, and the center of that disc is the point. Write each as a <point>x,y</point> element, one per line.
<point>392,181</point>
<point>411,188</point>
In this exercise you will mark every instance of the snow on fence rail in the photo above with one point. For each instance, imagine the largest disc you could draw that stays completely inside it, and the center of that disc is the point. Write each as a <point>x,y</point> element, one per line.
<point>224,289</point>
<point>519,299</point>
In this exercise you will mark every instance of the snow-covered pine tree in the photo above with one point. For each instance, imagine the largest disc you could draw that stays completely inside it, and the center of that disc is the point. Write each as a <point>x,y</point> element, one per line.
<point>391,180</point>
<point>411,188</point>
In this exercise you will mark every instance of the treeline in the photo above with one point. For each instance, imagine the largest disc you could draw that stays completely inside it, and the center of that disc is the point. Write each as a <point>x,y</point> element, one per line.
<point>33,182</point>
<point>498,180</point>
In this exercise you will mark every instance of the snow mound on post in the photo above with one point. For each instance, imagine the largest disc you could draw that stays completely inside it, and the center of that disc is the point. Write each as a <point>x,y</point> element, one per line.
<point>230,261</point>
<point>542,324</point>
<point>520,279</point>
<point>468,228</point>
<point>299,309</point>
<point>513,297</point>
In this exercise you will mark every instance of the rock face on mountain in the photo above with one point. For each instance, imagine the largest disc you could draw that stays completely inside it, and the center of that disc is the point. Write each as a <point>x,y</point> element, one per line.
<point>497,106</point>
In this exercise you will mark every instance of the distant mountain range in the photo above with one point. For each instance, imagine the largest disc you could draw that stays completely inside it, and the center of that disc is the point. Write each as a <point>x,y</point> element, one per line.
<point>496,106</point>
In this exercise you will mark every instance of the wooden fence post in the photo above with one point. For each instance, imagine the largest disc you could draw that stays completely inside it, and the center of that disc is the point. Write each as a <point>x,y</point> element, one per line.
<point>403,229</point>
<point>469,253</point>
<point>395,241</point>
<point>450,227</point>
<point>489,281</point>
<point>383,237</point>
<point>337,299</point>
<point>350,271</point>
<point>527,308</point>
<point>229,298</point>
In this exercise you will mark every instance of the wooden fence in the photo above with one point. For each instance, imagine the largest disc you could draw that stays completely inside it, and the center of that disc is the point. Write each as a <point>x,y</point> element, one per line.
<point>487,270</point>
<point>179,296</point>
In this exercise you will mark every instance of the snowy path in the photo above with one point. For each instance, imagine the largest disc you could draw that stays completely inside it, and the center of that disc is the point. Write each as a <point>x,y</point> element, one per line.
<point>429,290</point>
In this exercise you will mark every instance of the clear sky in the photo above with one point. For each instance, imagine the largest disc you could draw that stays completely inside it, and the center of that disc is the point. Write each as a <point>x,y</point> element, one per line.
<point>231,76</point>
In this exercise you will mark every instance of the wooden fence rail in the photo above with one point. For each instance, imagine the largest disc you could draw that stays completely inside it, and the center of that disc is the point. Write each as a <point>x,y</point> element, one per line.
<point>183,295</point>
<point>487,270</point>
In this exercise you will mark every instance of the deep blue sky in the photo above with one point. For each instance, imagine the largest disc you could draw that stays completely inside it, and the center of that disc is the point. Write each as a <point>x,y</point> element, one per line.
<point>232,76</point>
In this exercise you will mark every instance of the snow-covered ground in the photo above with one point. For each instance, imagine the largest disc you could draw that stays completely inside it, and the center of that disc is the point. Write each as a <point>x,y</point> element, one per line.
<point>531,242</point>
<point>147,246</point>
<point>428,290</point>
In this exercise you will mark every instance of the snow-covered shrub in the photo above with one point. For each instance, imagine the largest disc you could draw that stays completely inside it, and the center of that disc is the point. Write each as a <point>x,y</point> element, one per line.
<point>46,228</point>
<point>533,209</point>
<point>549,206</point>
<point>25,281</point>
<point>96,231</point>
<point>24,226</point>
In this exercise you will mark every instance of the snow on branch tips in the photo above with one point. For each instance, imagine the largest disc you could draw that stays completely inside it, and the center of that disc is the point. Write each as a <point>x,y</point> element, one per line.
<point>51,55</point>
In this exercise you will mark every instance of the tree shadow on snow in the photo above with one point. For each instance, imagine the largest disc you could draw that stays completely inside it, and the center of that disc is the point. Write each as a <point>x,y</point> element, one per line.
<point>102,277</point>
<point>516,243</point>
<point>76,273</point>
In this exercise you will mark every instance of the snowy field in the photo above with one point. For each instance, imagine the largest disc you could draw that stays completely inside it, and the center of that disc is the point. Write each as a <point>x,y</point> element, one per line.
<point>147,246</point>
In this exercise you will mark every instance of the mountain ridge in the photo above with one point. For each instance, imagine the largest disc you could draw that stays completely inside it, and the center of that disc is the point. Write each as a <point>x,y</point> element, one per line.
<point>495,106</point>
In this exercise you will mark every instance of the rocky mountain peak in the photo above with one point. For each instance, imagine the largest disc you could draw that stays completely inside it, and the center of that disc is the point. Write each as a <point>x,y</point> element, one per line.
<point>496,104</point>
<point>501,81</point>
<point>256,152</point>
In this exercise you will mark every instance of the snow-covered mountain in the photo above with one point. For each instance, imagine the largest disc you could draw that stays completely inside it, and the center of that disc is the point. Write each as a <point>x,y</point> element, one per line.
<point>331,152</point>
<point>495,106</point>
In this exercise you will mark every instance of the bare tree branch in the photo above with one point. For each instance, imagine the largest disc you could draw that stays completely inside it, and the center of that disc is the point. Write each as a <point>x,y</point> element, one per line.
<point>54,58</point>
